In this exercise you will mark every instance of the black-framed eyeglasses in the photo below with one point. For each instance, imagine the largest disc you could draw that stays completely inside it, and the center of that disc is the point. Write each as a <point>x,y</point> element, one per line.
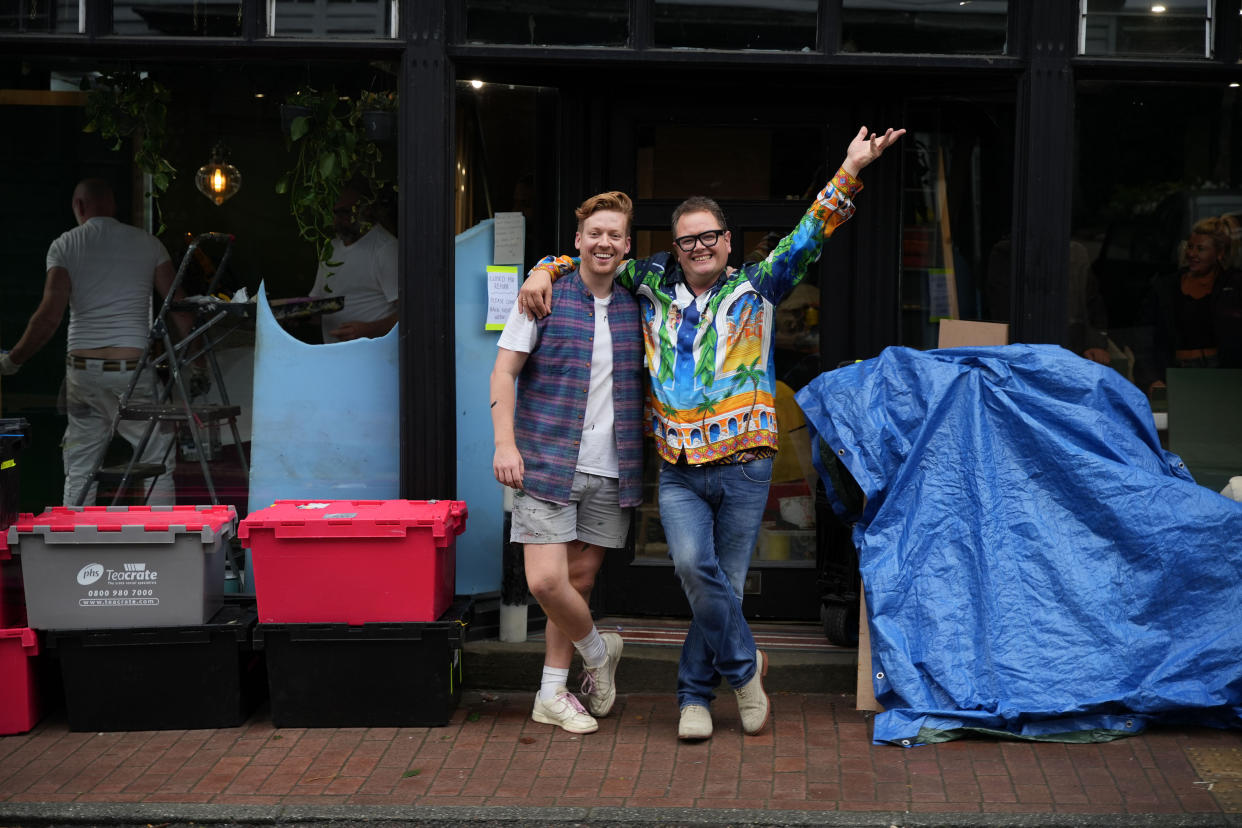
<point>707,238</point>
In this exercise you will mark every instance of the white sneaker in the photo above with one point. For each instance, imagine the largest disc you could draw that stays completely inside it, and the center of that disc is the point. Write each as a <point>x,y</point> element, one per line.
<point>599,683</point>
<point>565,711</point>
<point>695,723</point>
<point>752,703</point>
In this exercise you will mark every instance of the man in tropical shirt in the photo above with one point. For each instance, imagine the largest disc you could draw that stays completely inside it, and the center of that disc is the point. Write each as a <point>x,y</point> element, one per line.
<point>707,331</point>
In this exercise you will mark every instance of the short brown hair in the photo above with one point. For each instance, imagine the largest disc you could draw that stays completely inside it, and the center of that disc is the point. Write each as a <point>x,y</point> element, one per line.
<point>613,200</point>
<point>699,204</point>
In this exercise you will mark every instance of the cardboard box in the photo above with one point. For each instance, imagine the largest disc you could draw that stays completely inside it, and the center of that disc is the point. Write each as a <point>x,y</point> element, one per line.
<point>958,333</point>
<point>865,691</point>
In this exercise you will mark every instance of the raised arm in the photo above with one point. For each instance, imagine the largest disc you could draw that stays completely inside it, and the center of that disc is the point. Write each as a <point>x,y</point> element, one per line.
<point>792,257</point>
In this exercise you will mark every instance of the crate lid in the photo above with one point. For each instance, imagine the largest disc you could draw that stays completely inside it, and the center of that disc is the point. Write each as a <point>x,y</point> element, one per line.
<point>357,519</point>
<point>135,524</point>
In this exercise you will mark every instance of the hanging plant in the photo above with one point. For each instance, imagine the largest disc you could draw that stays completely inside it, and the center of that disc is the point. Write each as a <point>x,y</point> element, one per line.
<point>124,105</point>
<point>378,111</point>
<point>330,148</point>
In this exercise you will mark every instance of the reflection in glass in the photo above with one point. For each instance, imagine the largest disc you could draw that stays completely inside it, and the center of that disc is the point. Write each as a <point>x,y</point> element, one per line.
<point>730,162</point>
<point>1137,198</point>
<point>45,16</point>
<point>1170,28</point>
<point>925,26</point>
<point>956,201</point>
<point>785,25</point>
<point>181,18</point>
<point>548,22</point>
<point>333,18</point>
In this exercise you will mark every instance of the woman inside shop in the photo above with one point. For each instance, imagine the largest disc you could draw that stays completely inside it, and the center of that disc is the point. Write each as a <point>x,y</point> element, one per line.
<point>1195,313</point>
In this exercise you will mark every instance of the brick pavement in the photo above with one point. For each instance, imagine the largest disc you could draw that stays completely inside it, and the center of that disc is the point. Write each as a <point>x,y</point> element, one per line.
<point>816,759</point>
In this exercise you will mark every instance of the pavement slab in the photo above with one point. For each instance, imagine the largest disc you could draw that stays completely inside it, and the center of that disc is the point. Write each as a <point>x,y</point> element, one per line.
<point>814,765</point>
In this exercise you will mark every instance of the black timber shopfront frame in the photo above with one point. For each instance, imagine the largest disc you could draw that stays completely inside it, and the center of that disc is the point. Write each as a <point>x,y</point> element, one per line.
<point>1043,67</point>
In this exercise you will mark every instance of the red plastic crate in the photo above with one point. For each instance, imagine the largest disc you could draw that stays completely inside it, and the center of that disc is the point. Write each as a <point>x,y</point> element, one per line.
<point>353,561</point>
<point>19,686</point>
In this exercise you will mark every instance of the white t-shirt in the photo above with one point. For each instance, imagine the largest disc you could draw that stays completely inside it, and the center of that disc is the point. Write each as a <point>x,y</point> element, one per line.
<point>366,277</point>
<point>597,453</point>
<point>111,275</point>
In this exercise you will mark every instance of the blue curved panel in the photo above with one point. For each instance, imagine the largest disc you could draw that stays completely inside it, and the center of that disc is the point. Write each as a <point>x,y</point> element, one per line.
<point>325,417</point>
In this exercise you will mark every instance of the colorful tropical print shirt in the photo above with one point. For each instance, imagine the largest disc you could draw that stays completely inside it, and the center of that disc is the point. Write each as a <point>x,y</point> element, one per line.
<point>710,357</point>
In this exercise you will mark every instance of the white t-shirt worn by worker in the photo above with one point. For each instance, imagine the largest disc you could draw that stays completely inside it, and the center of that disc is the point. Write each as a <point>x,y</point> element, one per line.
<point>111,275</point>
<point>366,277</point>
<point>597,453</point>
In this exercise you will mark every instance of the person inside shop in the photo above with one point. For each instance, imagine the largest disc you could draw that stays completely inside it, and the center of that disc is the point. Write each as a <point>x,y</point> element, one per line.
<point>362,270</point>
<point>103,271</point>
<point>1086,314</point>
<point>569,441</point>
<point>713,415</point>
<point>1195,314</point>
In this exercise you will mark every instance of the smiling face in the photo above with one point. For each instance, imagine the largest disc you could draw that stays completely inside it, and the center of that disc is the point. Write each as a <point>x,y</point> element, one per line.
<point>702,265</point>
<point>602,242</point>
<point>1202,254</point>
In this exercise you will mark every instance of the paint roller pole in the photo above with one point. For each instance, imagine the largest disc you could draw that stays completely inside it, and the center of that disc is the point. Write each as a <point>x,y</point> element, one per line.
<point>513,593</point>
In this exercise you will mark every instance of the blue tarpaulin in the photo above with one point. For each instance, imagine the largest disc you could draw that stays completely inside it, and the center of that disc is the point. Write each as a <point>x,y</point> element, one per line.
<point>1034,563</point>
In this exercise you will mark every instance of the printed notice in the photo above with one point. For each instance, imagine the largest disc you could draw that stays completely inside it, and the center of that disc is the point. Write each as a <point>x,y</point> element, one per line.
<point>938,286</point>
<point>502,291</point>
<point>510,242</point>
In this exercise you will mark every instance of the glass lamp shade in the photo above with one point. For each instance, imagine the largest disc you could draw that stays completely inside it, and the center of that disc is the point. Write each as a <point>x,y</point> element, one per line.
<point>218,180</point>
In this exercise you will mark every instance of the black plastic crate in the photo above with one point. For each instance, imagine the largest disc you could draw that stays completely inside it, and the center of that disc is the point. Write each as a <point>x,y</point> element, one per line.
<point>162,678</point>
<point>14,435</point>
<point>365,675</point>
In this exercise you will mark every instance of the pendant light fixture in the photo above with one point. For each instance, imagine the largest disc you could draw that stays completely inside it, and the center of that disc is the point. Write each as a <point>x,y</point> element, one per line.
<point>218,179</point>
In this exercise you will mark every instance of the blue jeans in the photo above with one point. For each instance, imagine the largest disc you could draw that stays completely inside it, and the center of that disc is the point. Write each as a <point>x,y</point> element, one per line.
<point>711,517</point>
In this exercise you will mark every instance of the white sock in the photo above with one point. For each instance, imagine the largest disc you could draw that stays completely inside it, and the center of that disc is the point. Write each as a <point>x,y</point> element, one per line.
<point>554,679</point>
<point>594,652</point>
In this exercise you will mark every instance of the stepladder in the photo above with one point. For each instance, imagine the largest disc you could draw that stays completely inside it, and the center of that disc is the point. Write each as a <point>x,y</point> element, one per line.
<point>177,393</point>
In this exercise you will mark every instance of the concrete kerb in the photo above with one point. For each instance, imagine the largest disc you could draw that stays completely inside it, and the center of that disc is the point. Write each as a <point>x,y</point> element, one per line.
<point>23,815</point>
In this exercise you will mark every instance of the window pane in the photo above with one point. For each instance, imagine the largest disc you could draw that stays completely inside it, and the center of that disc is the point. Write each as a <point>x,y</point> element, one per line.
<point>548,22</point>
<point>756,163</point>
<point>1180,28</point>
<point>785,25</point>
<point>171,17</point>
<point>39,16</point>
<point>956,202</point>
<point>333,18</point>
<point>924,26</point>
<point>1137,198</point>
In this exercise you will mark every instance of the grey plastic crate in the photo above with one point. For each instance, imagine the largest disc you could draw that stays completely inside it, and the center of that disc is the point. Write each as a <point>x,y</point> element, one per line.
<point>136,566</point>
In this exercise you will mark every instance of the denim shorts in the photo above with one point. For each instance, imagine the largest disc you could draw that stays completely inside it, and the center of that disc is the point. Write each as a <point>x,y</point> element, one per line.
<point>593,515</point>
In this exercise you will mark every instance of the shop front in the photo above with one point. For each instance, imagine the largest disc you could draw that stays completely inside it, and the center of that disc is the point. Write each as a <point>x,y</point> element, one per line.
<point>1039,136</point>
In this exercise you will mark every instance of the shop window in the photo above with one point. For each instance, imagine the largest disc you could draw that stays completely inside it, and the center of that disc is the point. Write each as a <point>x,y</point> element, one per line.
<point>137,18</point>
<point>332,18</point>
<point>956,194</point>
<point>925,26</point>
<point>1168,28</point>
<point>736,25</point>
<point>1138,193</point>
<point>502,166</point>
<point>47,16</point>
<point>548,22</point>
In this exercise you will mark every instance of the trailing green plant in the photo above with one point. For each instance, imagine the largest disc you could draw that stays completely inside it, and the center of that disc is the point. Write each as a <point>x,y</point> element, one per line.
<point>382,101</point>
<point>124,105</point>
<point>330,150</point>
